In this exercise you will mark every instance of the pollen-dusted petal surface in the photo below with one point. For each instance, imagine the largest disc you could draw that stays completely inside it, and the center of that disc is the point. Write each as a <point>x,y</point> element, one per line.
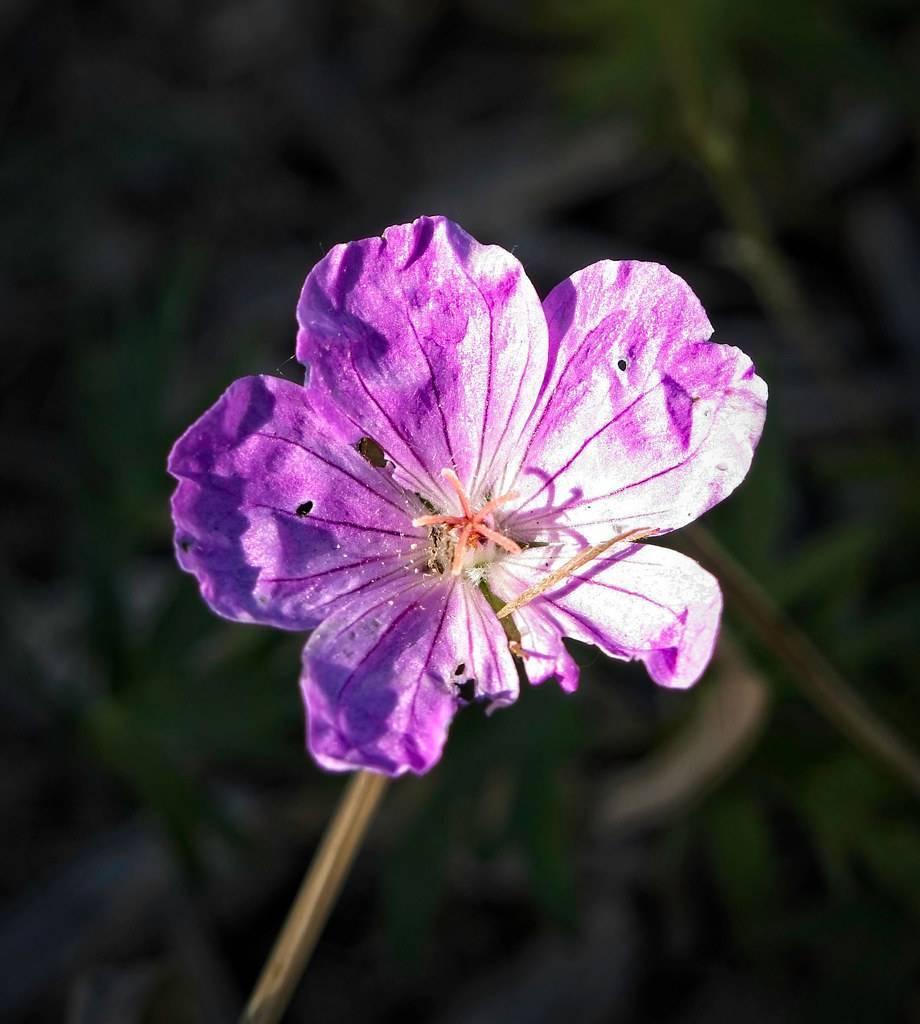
<point>430,343</point>
<point>645,422</point>
<point>644,602</point>
<point>280,524</point>
<point>380,677</point>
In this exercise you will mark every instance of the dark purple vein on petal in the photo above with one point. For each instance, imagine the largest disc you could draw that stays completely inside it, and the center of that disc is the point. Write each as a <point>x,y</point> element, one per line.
<point>414,584</point>
<point>420,484</point>
<point>329,572</point>
<point>350,678</point>
<point>589,440</point>
<point>313,518</point>
<point>408,446</point>
<point>392,574</point>
<point>435,389</point>
<point>333,465</point>
<point>488,399</point>
<point>437,634</point>
<point>589,335</point>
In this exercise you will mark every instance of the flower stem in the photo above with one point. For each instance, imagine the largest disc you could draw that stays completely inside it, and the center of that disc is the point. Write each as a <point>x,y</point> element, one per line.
<point>818,679</point>
<point>314,901</point>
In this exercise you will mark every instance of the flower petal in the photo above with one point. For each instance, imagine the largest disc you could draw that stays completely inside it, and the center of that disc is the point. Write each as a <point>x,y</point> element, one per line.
<point>279,523</point>
<point>644,602</point>
<point>645,422</point>
<point>542,649</point>
<point>431,344</point>
<point>381,677</point>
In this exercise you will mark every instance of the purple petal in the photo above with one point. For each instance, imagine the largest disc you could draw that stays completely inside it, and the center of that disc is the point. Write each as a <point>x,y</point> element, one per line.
<point>430,343</point>
<point>646,423</point>
<point>543,652</point>
<point>644,602</point>
<point>279,523</point>
<point>381,677</point>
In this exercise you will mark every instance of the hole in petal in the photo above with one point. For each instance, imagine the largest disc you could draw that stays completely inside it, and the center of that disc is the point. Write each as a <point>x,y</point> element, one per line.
<point>460,669</point>
<point>622,364</point>
<point>371,452</point>
<point>467,690</point>
<point>185,543</point>
<point>305,509</point>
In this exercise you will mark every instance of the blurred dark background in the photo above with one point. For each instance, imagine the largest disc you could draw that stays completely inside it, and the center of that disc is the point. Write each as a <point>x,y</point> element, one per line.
<point>169,173</point>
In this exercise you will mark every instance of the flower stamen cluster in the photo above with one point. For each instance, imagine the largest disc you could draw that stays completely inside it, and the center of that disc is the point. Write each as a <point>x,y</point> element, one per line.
<point>471,524</point>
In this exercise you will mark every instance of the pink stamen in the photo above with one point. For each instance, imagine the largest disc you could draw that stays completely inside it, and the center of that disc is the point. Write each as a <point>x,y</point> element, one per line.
<point>494,504</point>
<point>471,523</point>
<point>451,477</point>
<point>460,550</point>
<point>497,538</point>
<point>438,520</point>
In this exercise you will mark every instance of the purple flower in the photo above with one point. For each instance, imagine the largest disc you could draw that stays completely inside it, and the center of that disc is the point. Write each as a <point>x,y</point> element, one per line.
<point>454,444</point>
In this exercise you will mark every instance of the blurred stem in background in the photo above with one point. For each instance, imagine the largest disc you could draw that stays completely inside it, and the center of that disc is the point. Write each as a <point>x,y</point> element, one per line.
<point>717,736</point>
<point>815,675</point>
<point>714,139</point>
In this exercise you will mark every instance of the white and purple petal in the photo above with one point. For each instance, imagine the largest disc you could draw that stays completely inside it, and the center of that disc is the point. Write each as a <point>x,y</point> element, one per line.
<point>644,422</point>
<point>281,524</point>
<point>542,650</point>
<point>433,345</point>
<point>643,602</point>
<point>381,677</point>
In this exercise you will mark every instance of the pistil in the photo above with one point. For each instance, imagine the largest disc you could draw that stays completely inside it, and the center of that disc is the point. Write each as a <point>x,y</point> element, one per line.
<point>471,523</point>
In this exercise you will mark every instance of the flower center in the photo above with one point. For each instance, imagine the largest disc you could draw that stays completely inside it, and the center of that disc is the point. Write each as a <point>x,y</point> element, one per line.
<point>470,527</point>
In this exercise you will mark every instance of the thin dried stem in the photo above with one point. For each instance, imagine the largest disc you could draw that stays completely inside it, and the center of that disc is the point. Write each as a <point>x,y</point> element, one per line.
<point>315,900</point>
<point>723,727</point>
<point>572,565</point>
<point>818,679</point>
